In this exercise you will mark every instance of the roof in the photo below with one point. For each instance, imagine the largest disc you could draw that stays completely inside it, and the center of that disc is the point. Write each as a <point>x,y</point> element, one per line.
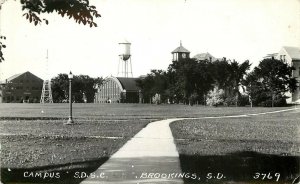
<point>294,52</point>
<point>204,56</point>
<point>10,79</point>
<point>180,49</point>
<point>14,77</point>
<point>129,84</point>
<point>124,42</point>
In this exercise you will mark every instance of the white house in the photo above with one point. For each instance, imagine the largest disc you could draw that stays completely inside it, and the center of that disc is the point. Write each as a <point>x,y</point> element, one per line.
<point>291,55</point>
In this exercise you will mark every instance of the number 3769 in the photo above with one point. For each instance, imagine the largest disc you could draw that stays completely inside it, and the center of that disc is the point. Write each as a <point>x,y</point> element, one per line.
<point>267,176</point>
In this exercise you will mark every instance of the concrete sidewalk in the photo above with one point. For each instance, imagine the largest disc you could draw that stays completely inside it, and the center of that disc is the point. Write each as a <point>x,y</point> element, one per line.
<point>149,157</point>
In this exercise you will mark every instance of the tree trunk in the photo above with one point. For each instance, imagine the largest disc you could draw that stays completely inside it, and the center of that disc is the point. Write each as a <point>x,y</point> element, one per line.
<point>273,97</point>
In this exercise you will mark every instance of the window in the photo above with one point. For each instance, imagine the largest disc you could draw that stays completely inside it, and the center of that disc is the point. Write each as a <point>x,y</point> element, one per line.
<point>183,55</point>
<point>282,57</point>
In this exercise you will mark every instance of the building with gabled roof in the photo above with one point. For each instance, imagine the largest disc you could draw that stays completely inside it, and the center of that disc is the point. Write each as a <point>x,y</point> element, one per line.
<point>23,87</point>
<point>291,55</point>
<point>204,56</point>
<point>118,90</point>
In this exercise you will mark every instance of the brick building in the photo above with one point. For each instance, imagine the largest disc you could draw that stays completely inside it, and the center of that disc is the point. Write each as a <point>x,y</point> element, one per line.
<point>24,87</point>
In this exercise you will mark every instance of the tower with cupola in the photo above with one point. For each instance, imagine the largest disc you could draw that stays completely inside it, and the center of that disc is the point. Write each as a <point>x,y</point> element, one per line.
<point>180,53</point>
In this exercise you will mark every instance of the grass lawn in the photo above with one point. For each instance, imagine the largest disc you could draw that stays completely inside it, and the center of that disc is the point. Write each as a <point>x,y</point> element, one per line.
<point>119,111</point>
<point>239,146</point>
<point>33,137</point>
<point>48,145</point>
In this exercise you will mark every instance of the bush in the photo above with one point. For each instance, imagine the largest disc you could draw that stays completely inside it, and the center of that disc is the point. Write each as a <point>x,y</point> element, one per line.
<point>156,99</point>
<point>215,97</point>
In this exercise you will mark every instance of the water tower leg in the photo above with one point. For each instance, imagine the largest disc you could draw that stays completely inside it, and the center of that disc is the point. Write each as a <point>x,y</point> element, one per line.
<point>130,67</point>
<point>118,68</point>
<point>126,68</point>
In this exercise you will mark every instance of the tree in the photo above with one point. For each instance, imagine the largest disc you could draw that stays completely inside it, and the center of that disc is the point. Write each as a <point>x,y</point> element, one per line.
<point>221,72</point>
<point>86,87</point>
<point>83,87</point>
<point>60,87</point>
<point>1,47</point>
<point>228,75</point>
<point>190,80</point>
<point>154,83</point>
<point>237,74</point>
<point>79,10</point>
<point>269,81</point>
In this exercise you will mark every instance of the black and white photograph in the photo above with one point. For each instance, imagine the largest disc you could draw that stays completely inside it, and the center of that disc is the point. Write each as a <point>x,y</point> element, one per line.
<point>150,91</point>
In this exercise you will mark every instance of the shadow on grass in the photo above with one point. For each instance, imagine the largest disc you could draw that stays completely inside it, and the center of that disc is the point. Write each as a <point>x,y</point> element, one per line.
<point>72,173</point>
<point>241,167</point>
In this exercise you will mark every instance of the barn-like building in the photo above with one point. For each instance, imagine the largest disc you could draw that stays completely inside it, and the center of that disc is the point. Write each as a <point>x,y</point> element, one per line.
<point>23,87</point>
<point>118,90</point>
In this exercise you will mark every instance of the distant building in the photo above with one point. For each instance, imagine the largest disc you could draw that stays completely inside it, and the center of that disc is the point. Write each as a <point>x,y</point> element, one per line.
<point>204,56</point>
<point>118,90</point>
<point>24,87</point>
<point>291,55</point>
<point>180,53</point>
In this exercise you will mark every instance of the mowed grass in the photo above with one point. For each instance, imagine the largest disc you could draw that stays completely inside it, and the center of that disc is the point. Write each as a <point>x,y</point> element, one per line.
<point>277,133</point>
<point>119,111</point>
<point>33,136</point>
<point>242,146</point>
<point>36,143</point>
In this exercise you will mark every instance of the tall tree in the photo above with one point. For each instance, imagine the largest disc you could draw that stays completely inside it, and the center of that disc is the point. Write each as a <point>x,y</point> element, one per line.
<point>221,72</point>
<point>154,83</point>
<point>78,10</point>
<point>83,87</point>
<point>270,81</point>
<point>228,75</point>
<point>237,74</point>
<point>190,80</point>
<point>60,87</point>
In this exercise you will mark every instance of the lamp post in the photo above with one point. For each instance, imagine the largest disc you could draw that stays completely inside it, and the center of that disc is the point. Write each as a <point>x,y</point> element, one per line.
<point>70,120</point>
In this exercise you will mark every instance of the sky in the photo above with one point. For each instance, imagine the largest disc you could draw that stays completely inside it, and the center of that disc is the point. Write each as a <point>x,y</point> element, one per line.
<point>235,29</point>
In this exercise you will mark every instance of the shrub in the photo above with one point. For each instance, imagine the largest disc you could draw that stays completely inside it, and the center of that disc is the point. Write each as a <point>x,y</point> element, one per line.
<point>215,97</point>
<point>156,99</point>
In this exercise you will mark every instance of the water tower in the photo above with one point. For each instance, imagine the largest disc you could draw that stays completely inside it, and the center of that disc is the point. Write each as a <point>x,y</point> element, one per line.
<point>124,59</point>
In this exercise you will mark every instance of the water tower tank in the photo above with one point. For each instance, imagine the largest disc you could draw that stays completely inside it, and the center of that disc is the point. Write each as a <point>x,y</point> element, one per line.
<point>124,50</point>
